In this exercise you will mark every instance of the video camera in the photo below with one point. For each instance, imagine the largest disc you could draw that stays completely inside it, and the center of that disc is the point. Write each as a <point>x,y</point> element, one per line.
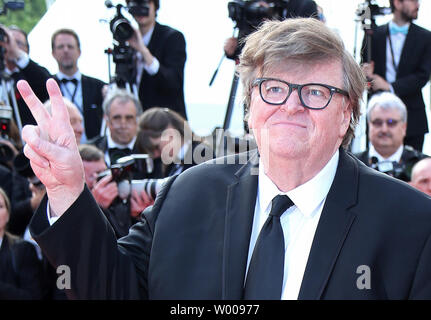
<point>248,14</point>
<point>125,169</point>
<point>392,168</point>
<point>368,10</point>
<point>122,31</point>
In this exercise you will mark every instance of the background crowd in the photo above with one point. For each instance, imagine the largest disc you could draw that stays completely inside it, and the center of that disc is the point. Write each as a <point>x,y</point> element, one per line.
<point>130,138</point>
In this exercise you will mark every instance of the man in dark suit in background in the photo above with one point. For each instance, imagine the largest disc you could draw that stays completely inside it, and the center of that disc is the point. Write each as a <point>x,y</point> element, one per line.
<point>19,66</point>
<point>400,62</point>
<point>387,125</point>
<point>160,60</point>
<point>84,91</point>
<point>121,110</point>
<point>334,229</point>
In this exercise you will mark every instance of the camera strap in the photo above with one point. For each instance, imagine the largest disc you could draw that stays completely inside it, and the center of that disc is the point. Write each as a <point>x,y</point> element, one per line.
<point>71,96</point>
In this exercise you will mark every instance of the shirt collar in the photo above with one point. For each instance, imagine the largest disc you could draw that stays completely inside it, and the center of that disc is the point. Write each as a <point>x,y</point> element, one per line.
<point>396,156</point>
<point>308,196</point>
<point>77,76</point>
<point>147,37</point>
<point>112,144</point>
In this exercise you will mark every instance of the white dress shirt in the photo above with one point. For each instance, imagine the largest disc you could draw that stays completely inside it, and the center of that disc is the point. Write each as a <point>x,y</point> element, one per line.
<point>397,41</point>
<point>153,68</point>
<point>74,94</point>
<point>112,144</point>
<point>299,222</point>
<point>395,157</point>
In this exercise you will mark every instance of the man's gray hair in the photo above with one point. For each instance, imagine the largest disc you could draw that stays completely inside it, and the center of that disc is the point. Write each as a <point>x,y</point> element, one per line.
<point>124,96</point>
<point>387,101</point>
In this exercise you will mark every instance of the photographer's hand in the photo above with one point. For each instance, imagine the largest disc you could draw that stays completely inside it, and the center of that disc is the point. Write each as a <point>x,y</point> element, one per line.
<point>105,191</point>
<point>52,149</point>
<point>139,202</point>
<point>137,43</point>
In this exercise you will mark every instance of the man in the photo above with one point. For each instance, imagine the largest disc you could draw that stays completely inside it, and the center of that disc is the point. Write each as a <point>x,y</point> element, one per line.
<point>105,191</point>
<point>121,110</point>
<point>84,91</point>
<point>400,62</point>
<point>387,123</point>
<point>167,137</point>
<point>160,60</point>
<point>421,176</point>
<point>350,232</point>
<point>75,118</point>
<point>19,66</point>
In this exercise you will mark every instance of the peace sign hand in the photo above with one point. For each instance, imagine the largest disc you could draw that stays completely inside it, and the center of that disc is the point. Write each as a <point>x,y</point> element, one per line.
<point>52,149</point>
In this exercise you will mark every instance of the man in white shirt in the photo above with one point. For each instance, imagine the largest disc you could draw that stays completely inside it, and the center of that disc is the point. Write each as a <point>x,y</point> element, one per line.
<point>387,124</point>
<point>400,62</point>
<point>121,111</point>
<point>84,91</point>
<point>335,229</point>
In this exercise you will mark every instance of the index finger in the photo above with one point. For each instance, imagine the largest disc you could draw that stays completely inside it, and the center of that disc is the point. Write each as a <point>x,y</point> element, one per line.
<point>58,109</point>
<point>39,113</point>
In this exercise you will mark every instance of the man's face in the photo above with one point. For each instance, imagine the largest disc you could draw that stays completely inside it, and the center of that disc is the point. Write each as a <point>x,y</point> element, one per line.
<point>122,121</point>
<point>20,40</point>
<point>145,22</point>
<point>386,130</point>
<point>66,51</point>
<point>293,132</point>
<point>92,169</point>
<point>408,8</point>
<point>76,122</point>
<point>421,178</point>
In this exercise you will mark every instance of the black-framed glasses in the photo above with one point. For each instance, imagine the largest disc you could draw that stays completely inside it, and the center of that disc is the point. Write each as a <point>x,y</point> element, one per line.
<point>312,95</point>
<point>389,122</point>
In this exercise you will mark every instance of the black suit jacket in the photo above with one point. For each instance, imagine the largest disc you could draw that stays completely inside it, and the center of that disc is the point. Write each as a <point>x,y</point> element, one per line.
<point>36,76</point>
<point>165,88</point>
<point>414,71</point>
<point>193,243</point>
<point>92,104</point>
<point>20,270</point>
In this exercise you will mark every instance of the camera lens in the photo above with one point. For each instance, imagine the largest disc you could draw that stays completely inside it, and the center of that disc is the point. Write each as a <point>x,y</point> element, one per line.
<point>122,30</point>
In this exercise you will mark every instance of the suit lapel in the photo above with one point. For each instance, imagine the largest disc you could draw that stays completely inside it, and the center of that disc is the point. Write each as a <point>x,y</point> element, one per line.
<point>241,200</point>
<point>332,230</point>
<point>407,50</point>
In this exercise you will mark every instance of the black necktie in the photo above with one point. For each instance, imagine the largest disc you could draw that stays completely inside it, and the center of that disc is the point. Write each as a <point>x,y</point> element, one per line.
<point>266,269</point>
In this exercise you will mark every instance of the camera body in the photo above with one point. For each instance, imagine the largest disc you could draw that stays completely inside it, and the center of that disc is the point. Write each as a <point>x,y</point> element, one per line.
<point>126,169</point>
<point>392,168</point>
<point>248,14</point>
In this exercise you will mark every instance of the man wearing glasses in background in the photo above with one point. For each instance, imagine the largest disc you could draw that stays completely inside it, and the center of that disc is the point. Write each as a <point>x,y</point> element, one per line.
<point>301,219</point>
<point>400,62</point>
<point>387,124</point>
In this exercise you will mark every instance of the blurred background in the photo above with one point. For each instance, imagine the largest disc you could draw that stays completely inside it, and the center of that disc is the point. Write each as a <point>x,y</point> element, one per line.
<point>205,25</point>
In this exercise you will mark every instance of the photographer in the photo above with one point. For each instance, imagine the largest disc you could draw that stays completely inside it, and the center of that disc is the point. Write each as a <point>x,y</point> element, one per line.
<point>121,215</point>
<point>84,91</point>
<point>160,59</point>
<point>168,138</point>
<point>387,123</point>
<point>255,11</point>
<point>19,66</point>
